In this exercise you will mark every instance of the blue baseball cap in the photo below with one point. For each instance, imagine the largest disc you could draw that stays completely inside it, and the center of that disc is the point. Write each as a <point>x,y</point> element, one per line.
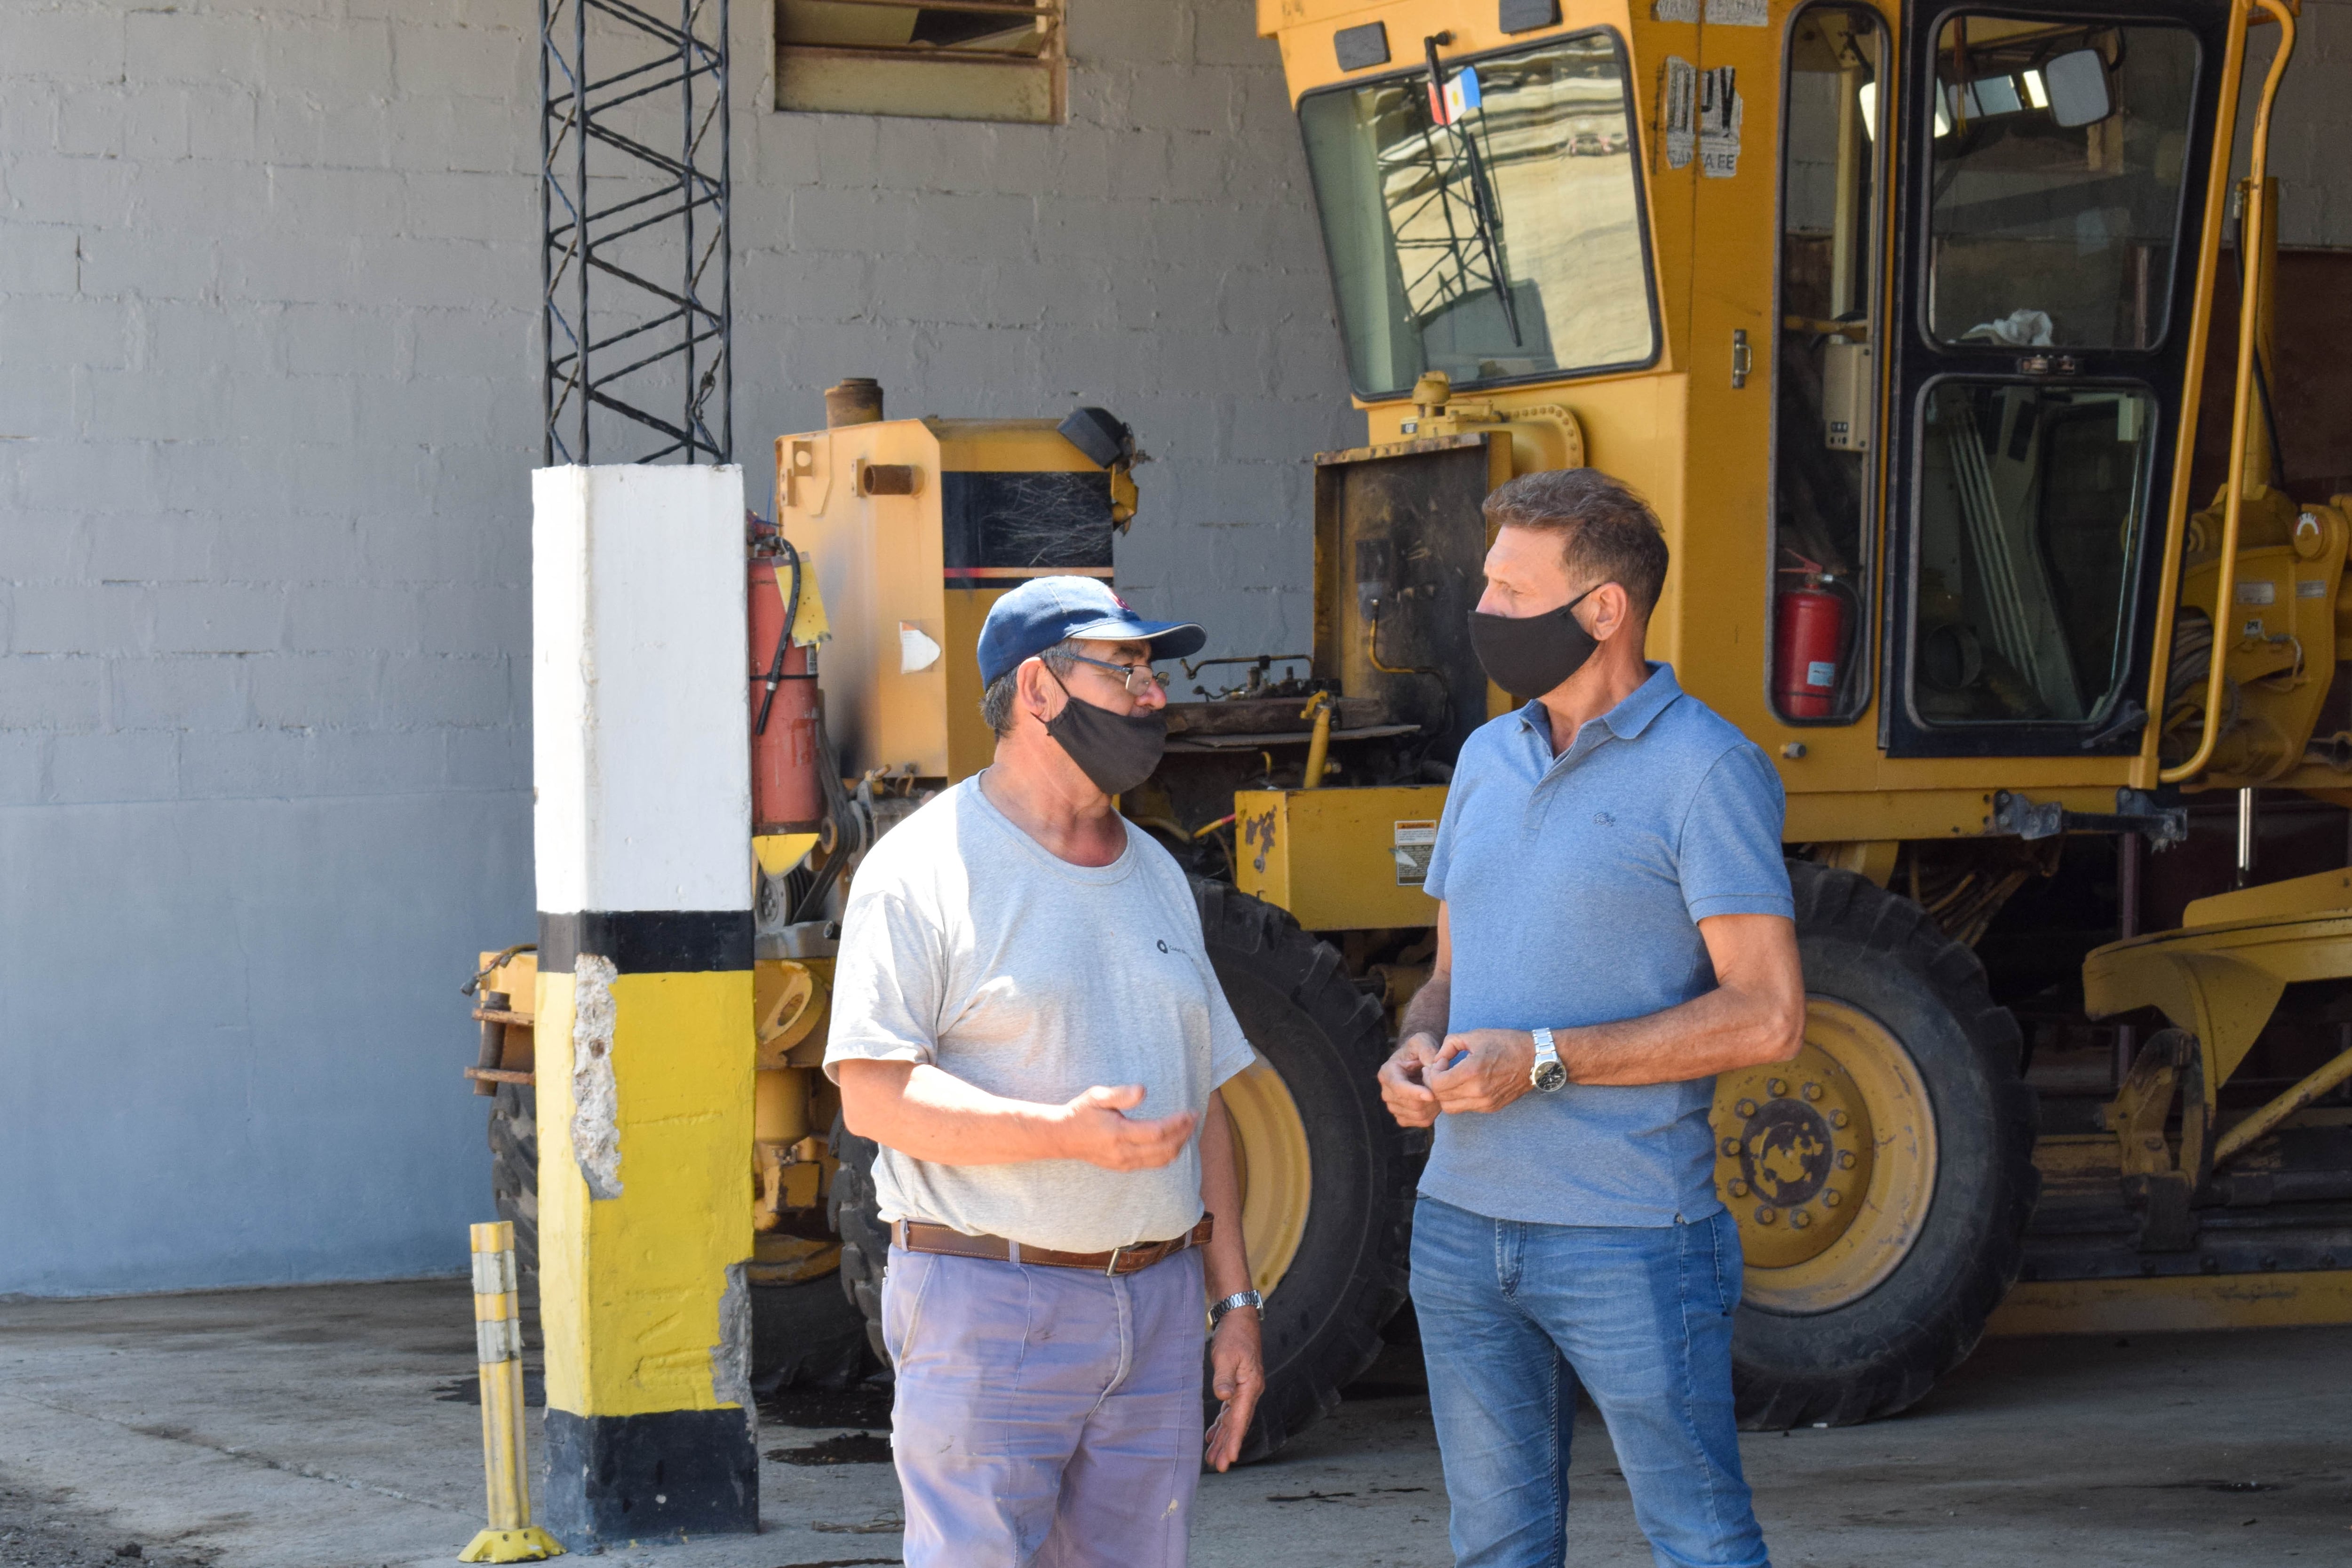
<point>1045,611</point>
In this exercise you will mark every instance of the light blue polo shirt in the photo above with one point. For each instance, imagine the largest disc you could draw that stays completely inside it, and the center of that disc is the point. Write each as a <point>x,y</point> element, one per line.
<point>1573,885</point>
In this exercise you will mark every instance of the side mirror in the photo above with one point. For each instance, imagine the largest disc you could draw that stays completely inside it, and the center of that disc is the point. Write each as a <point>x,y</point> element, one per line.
<point>2077,86</point>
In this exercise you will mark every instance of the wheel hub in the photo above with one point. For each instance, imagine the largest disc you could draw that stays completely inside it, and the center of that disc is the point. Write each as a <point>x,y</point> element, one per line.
<point>1828,1162</point>
<point>1797,1159</point>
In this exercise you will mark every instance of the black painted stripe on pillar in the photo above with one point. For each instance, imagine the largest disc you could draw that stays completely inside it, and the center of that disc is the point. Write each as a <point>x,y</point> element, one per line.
<point>612,1479</point>
<point>647,941</point>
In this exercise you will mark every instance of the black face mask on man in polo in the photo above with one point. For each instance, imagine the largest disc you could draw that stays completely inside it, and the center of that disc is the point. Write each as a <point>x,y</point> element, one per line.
<point>1116,751</point>
<point>1528,655</point>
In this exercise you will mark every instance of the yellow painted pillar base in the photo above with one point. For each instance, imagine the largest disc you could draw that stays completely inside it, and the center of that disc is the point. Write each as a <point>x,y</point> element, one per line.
<point>645,1195</point>
<point>528,1544</point>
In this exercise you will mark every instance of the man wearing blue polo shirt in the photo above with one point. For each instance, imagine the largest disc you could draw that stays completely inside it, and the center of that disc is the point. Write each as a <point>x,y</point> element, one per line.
<point>1614,928</point>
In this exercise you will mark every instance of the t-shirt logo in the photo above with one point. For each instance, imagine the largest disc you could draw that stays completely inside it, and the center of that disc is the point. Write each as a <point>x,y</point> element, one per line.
<point>1602,819</point>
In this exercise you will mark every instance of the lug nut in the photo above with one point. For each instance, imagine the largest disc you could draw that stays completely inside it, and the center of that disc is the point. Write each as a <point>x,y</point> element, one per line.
<point>1739,1189</point>
<point>1833,1197</point>
<point>1767,1215</point>
<point>1776,1087</point>
<point>1746,1108</point>
<point>1812,1091</point>
<point>1800,1218</point>
<point>1845,1159</point>
<point>1839,1119</point>
<point>1731,1146</point>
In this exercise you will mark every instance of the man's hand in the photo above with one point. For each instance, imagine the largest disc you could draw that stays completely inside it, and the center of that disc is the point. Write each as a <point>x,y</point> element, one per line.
<point>1487,1069</point>
<point>1407,1097</point>
<point>1094,1131</point>
<point>1237,1374</point>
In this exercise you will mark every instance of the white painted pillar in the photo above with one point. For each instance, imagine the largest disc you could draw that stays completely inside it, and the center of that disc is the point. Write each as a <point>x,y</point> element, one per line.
<point>645,1045</point>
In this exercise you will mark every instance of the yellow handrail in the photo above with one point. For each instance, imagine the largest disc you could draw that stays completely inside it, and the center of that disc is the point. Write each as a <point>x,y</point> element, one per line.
<point>2253,263</point>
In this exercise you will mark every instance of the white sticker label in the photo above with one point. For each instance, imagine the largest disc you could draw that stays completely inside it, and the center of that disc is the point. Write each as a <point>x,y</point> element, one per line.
<point>917,651</point>
<point>1412,847</point>
<point>1674,11</point>
<point>2311,588</point>
<point>1736,13</point>
<point>1719,113</point>
<point>1820,672</point>
<point>1679,106</point>
<point>2258,592</point>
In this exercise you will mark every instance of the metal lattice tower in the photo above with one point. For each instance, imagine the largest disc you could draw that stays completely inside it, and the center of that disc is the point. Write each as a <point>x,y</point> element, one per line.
<point>635,271</point>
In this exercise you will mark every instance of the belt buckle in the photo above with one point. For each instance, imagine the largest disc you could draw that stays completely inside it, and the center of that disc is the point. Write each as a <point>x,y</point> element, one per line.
<point>1110,1270</point>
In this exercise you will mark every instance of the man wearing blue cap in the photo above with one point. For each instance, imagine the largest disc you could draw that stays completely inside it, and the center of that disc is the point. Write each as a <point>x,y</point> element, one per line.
<point>1025,1021</point>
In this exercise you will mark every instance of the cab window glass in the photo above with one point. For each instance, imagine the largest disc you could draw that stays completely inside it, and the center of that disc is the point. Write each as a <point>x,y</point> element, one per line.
<point>1825,382</point>
<point>2030,497</point>
<point>1495,232</point>
<point>2058,154</point>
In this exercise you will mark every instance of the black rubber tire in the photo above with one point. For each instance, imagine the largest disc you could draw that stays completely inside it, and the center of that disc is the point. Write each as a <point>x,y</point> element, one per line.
<point>1293,997</point>
<point>514,1178</point>
<point>805,1335</point>
<point>1309,1022</point>
<point>865,1239</point>
<point>1876,1355</point>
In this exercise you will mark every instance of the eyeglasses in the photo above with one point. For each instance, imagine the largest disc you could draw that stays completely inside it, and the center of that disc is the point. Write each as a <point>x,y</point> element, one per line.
<point>1138,679</point>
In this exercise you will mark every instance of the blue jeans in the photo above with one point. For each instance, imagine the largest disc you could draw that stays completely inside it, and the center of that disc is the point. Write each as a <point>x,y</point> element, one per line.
<point>1514,1315</point>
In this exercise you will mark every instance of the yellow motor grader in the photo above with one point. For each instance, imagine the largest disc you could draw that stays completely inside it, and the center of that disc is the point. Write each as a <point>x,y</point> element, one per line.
<point>1901,315</point>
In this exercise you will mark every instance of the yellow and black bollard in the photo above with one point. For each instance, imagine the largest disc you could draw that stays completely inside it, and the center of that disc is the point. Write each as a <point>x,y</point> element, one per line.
<point>498,1332</point>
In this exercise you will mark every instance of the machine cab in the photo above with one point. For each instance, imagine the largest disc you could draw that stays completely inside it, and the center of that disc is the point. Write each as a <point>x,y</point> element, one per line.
<point>1891,310</point>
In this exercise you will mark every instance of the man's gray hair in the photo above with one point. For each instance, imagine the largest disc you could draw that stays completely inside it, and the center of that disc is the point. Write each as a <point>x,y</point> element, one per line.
<point>996,702</point>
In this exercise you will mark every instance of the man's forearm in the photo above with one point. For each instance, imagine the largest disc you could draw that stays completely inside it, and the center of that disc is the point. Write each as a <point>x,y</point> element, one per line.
<point>936,1117</point>
<point>1225,1263</point>
<point>1722,1031</point>
<point>1427,1012</point>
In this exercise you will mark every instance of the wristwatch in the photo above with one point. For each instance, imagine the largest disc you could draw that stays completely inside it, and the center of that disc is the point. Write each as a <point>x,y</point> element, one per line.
<point>1238,1299</point>
<point>1547,1074</point>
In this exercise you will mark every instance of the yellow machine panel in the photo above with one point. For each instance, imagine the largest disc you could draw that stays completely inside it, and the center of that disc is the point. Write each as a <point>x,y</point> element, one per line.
<point>914,528</point>
<point>1340,860</point>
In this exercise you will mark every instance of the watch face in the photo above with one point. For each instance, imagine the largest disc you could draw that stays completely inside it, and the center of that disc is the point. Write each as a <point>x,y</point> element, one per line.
<point>1549,1076</point>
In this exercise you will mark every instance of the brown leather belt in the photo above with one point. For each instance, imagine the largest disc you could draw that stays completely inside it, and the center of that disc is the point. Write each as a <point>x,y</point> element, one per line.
<point>921,1236</point>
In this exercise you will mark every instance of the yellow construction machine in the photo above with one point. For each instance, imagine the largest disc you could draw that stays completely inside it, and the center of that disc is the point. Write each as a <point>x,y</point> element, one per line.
<point>1901,315</point>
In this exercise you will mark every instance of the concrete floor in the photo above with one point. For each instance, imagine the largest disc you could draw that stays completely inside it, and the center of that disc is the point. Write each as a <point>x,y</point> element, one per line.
<point>326,1428</point>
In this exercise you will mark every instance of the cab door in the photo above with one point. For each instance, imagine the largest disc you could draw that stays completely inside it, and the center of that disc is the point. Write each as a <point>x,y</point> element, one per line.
<point>2051,180</point>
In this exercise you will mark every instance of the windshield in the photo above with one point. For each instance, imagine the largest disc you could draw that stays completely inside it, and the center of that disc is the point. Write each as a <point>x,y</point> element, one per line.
<point>2057,168</point>
<point>1505,243</point>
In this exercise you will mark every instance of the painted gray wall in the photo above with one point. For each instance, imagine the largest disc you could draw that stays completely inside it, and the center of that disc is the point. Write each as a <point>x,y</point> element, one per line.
<point>269,395</point>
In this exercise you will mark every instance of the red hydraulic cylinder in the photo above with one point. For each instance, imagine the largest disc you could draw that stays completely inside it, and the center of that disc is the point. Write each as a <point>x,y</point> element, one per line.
<point>787,788</point>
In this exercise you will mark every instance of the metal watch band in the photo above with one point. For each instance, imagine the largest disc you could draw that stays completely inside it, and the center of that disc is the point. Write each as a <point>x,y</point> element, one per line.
<point>1238,1299</point>
<point>1546,1058</point>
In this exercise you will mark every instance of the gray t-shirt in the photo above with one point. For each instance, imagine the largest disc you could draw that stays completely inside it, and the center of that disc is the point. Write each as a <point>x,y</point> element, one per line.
<point>968,945</point>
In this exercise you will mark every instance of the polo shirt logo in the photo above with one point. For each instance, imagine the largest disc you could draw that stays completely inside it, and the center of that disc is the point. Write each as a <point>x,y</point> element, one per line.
<point>1602,819</point>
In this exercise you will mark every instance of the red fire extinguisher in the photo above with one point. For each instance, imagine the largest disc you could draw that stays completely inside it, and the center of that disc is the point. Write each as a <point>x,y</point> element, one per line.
<point>1808,644</point>
<point>787,788</point>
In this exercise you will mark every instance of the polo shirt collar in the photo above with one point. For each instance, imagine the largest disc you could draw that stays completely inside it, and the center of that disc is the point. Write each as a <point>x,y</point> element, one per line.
<point>1629,717</point>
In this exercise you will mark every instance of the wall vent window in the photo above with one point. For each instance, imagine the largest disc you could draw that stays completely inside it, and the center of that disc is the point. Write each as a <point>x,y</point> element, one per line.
<point>937,59</point>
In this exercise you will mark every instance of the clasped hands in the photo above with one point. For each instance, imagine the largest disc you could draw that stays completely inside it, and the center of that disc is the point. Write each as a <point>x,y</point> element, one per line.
<point>1478,1070</point>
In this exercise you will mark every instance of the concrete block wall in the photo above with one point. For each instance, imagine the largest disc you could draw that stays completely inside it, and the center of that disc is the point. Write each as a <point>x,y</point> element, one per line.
<point>267,409</point>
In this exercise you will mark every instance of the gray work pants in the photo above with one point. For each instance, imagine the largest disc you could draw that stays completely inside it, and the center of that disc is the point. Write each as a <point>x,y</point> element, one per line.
<point>1045,1417</point>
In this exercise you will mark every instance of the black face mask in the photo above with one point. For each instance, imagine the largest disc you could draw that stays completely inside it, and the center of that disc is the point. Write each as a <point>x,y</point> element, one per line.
<point>1116,751</point>
<point>1528,655</point>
